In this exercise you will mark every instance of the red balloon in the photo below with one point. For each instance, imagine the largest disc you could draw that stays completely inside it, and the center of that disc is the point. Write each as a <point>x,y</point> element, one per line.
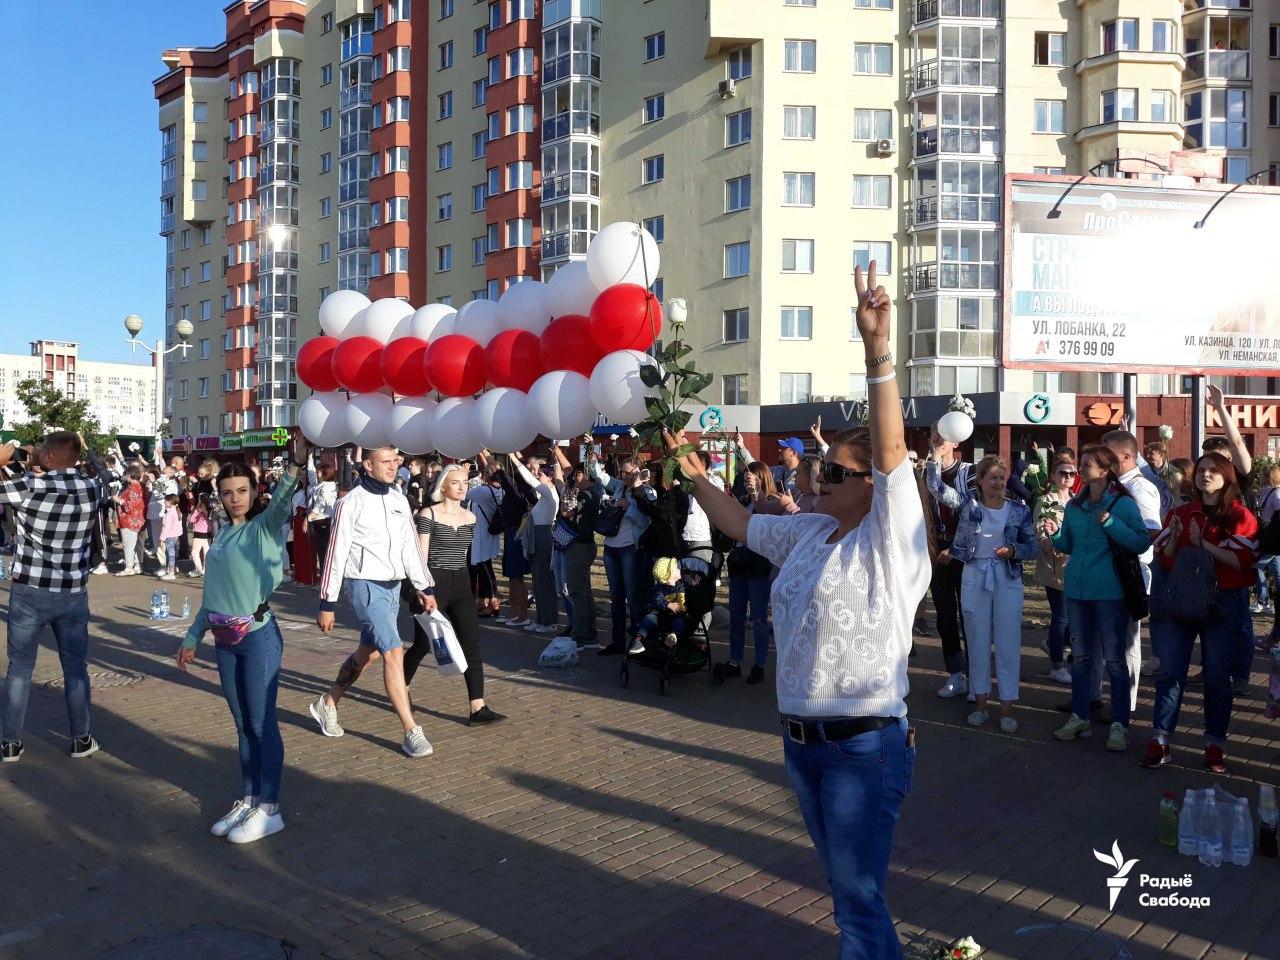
<point>357,365</point>
<point>625,317</point>
<point>514,359</point>
<point>455,365</point>
<point>566,344</point>
<point>402,366</point>
<point>315,363</point>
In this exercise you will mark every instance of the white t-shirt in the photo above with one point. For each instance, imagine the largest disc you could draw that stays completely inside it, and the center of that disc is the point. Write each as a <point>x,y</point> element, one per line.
<point>1147,497</point>
<point>697,527</point>
<point>991,533</point>
<point>842,612</point>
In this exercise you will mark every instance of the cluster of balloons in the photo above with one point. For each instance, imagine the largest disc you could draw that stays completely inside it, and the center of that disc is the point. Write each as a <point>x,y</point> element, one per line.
<point>544,359</point>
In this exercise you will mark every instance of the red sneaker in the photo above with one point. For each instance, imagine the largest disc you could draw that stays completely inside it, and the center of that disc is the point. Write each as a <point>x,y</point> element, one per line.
<point>1214,759</point>
<point>1157,755</point>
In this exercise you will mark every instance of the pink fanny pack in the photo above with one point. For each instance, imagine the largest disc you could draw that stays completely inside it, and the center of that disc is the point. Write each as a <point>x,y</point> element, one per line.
<point>229,630</point>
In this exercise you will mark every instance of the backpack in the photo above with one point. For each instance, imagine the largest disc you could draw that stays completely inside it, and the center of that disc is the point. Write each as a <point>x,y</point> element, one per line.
<point>610,516</point>
<point>1191,590</point>
<point>495,524</point>
<point>1129,572</point>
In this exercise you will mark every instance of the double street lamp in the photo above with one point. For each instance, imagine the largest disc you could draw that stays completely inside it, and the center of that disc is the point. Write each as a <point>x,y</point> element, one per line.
<point>184,329</point>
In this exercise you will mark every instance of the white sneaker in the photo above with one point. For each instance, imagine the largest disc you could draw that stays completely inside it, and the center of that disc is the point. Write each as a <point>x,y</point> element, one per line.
<point>127,572</point>
<point>100,568</point>
<point>636,647</point>
<point>502,620</point>
<point>956,684</point>
<point>327,717</point>
<point>196,573</point>
<point>1008,725</point>
<point>416,744</point>
<point>235,816</point>
<point>977,718</point>
<point>168,576</point>
<point>549,628</point>
<point>1150,667</point>
<point>1061,675</point>
<point>255,826</point>
<point>532,628</point>
<point>524,622</point>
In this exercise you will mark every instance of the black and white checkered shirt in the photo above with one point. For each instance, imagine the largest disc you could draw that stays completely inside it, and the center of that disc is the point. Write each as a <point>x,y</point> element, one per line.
<point>54,514</point>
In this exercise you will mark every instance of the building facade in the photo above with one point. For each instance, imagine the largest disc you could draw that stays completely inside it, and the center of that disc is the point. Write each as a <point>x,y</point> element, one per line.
<point>120,395</point>
<point>444,149</point>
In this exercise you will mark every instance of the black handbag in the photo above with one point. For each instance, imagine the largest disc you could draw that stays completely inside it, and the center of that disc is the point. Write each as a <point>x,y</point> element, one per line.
<point>1129,572</point>
<point>610,516</point>
<point>496,524</point>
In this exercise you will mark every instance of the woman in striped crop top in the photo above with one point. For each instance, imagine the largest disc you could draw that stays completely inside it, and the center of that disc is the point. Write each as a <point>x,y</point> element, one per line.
<point>445,532</point>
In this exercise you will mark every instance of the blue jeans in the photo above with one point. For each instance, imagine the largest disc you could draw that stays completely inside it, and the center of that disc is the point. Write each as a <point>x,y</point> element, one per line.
<point>1218,639</point>
<point>622,568</point>
<point>562,589</point>
<point>1268,569</point>
<point>743,592</point>
<point>1242,661</point>
<point>31,609</point>
<point>250,673</point>
<point>1059,631</point>
<point>1107,622</point>
<point>171,552</point>
<point>850,793</point>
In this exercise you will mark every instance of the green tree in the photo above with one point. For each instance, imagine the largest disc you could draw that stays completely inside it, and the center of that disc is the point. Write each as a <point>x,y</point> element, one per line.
<point>50,409</point>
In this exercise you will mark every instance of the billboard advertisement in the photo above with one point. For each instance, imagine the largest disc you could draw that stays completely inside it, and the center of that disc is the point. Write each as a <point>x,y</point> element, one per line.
<point>1115,275</point>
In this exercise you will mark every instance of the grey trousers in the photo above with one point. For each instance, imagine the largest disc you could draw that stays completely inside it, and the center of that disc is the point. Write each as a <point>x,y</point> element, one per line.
<point>578,561</point>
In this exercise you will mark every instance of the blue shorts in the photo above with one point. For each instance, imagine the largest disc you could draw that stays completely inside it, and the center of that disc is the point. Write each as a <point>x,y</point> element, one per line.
<point>377,607</point>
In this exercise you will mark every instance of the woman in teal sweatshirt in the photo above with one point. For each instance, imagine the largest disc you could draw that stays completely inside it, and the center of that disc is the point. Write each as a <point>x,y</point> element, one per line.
<point>1101,517</point>
<point>243,567</point>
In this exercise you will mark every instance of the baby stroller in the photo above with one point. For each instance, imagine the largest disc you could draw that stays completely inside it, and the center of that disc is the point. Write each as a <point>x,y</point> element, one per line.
<point>691,650</point>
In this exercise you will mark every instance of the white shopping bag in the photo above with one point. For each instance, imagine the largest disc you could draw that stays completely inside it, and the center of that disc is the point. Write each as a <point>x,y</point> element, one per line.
<point>560,652</point>
<point>444,642</point>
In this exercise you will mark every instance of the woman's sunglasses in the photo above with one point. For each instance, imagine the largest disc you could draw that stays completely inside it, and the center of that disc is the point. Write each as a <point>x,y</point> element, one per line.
<point>1066,473</point>
<point>834,473</point>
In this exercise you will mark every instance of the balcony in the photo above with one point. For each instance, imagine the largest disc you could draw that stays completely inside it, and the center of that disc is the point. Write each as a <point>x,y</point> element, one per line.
<point>927,10</point>
<point>356,95</point>
<point>931,210</point>
<point>928,277</point>
<point>360,45</point>
<point>1217,65</point>
<point>166,223</point>
<point>169,150</point>
<point>166,187</point>
<point>578,64</point>
<point>277,260</point>
<point>278,173</point>
<point>575,121</point>
<point>356,190</point>
<point>281,304</point>
<point>557,246</point>
<point>955,73</point>
<point>356,239</point>
<point>278,130</point>
<point>1219,4</point>
<point>964,140</point>
<point>353,143</point>
<point>565,185</point>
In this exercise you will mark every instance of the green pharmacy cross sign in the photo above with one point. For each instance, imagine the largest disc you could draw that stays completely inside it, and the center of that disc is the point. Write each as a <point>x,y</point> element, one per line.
<point>280,436</point>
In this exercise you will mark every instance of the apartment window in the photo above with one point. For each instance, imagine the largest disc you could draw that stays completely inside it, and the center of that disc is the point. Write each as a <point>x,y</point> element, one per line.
<point>1273,109</point>
<point>733,388</point>
<point>797,189</point>
<point>737,325</point>
<point>1163,36</point>
<point>520,62</point>
<point>1050,116</point>
<point>520,175</point>
<point>1273,41</point>
<point>800,3</point>
<point>737,194</point>
<point>657,228</point>
<point>199,150</point>
<point>478,141</point>
<point>1050,171</point>
<point>495,70</point>
<point>737,128</point>
<point>479,247</point>
<point>653,168</point>
<point>184,312</point>
<point>206,236</point>
<point>398,10</point>
<point>326,207</point>
<point>1119,104</point>
<point>206,349</point>
<point>445,101</point>
<point>397,160</point>
<point>799,56</point>
<point>520,118</point>
<point>864,251</point>
<point>519,10</point>
<point>655,46</point>
<point>326,252</point>
<point>397,59</point>
<point>444,258</point>
<point>495,16</point>
<point>326,23</point>
<point>1051,49</point>
<point>1162,106</point>
<point>494,185</point>
<point>494,123</point>
<point>797,323</point>
<point>444,206</point>
<point>872,125</point>
<point>870,190</point>
<point>799,123</point>
<point>326,74</point>
<point>477,92</point>
<point>494,241</point>
<point>479,40</point>
<point>1228,118</point>
<point>519,233</point>
<point>206,309</point>
<point>326,162</point>
<point>477,198</point>
<point>873,4</point>
<point>737,259</point>
<point>326,118</point>
<point>206,271</point>
<point>875,59</point>
<point>795,387</point>
<point>1120,35</point>
<point>444,156</point>
<point>200,112</point>
<point>398,260</point>
<point>738,64</point>
<point>446,55</point>
<point>397,209</point>
<point>797,256</point>
<point>199,189</point>
<point>655,107</point>
<point>186,238</point>
<point>446,9</point>
<point>1235,169</point>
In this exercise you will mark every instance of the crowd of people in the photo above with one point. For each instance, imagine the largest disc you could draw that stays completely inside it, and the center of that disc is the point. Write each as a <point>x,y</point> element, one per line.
<point>827,555</point>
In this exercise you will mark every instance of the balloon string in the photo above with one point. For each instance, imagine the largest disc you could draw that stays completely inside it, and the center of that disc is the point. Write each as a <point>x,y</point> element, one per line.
<point>649,297</point>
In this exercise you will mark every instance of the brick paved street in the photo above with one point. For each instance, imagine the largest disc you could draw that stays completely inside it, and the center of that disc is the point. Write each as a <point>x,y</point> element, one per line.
<point>597,822</point>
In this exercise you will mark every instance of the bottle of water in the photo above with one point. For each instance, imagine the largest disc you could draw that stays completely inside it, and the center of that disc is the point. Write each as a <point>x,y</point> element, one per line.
<point>1,566</point>
<point>1242,834</point>
<point>1210,832</point>
<point>155,604</point>
<point>164,604</point>
<point>186,608</point>
<point>1168,834</point>
<point>1188,839</point>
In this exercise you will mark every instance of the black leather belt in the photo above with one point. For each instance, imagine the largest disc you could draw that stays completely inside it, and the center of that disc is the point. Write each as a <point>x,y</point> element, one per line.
<point>825,731</point>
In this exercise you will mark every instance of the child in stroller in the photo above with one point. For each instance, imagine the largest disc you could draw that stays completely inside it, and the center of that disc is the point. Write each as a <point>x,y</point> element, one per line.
<point>669,614</point>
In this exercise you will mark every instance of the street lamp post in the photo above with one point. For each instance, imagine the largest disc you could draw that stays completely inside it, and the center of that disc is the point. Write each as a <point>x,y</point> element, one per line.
<point>184,329</point>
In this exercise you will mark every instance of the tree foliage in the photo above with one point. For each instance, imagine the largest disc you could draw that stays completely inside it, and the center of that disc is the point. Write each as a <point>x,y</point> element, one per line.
<point>49,409</point>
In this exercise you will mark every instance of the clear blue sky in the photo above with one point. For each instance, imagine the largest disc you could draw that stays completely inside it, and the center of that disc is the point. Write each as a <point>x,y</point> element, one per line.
<point>80,167</point>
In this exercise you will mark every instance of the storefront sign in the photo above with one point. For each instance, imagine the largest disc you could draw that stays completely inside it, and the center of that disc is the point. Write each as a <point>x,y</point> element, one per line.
<point>230,441</point>
<point>1248,416</point>
<point>279,437</point>
<point>208,443</point>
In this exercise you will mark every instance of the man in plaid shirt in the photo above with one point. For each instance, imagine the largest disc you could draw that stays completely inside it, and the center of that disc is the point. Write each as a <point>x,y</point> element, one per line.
<point>55,511</point>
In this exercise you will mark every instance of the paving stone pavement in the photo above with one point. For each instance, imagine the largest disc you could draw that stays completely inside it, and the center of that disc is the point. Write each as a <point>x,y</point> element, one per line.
<point>595,822</point>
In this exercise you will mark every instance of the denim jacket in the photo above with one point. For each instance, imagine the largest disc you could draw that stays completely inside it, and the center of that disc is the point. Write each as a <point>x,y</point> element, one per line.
<point>616,489</point>
<point>1018,533</point>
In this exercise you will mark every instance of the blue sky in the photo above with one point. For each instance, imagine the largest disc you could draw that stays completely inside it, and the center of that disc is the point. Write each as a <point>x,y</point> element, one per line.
<point>80,168</point>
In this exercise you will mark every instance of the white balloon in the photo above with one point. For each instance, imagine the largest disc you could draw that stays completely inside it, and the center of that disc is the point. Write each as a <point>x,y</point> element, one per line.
<point>623,253</point>
<point>410,424</point>
<point>956,427</point>
<point>479,320</point>
<point>453,428</point>
<point>426,323</point>
<point>380,319</point>
<point>616,388</point>
<point>526,306</point>
<point>571,290</point>
<point>560,405</point>
<point>368,419</point>
<point>338,310</point>
<point>502,420</point>
<point>322,419</point>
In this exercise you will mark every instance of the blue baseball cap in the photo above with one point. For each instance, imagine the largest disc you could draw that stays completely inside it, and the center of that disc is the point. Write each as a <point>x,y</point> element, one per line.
<point>793,443</point>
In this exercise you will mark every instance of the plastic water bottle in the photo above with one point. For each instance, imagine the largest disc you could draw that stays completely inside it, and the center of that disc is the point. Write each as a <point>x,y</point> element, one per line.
<point>1267,816</point>
<point>155,604</point>
<point>1188,839</point>
<point>1169,819</point>
<point>1242,834</point>
<point>164,604</point>
<point>1,566</point>
<point>1210,832</point>
<point>186,608</point>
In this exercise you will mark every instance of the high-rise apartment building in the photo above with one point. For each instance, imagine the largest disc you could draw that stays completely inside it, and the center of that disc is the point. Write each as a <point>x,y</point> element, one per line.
<point>444,149</point>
